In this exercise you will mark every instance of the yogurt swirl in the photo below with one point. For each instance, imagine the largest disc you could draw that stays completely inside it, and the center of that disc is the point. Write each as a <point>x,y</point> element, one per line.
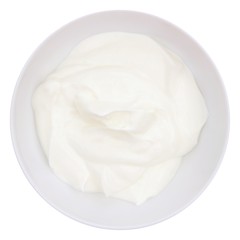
<point>117,115</point>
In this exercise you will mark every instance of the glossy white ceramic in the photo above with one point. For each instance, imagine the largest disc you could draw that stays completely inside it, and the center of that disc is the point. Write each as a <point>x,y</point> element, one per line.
<point>198,167</point>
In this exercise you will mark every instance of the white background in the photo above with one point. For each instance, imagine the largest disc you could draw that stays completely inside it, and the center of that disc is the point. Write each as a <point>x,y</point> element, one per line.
<point>25,24</point>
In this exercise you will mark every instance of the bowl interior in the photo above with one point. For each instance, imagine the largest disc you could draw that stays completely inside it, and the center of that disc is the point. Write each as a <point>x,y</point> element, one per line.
<point>198,166</point>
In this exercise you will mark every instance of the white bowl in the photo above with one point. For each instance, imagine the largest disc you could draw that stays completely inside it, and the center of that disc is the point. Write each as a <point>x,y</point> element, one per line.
<point>198,167</point>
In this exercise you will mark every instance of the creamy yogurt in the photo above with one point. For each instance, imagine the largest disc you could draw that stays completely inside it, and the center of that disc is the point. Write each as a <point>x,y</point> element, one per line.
<point>117,116</point>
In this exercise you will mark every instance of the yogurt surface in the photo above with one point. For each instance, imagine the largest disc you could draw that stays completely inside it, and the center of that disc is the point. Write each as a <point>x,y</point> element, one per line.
<point>117,116</point>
